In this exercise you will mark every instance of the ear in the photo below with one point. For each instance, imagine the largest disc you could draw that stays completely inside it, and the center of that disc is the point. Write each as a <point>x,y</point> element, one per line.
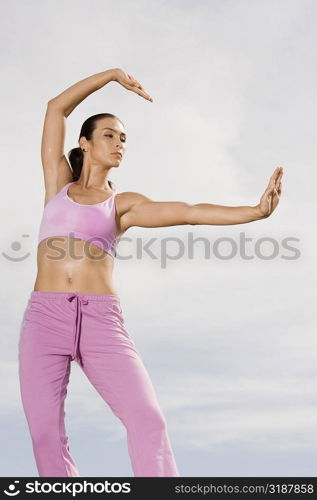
<point>83,143</point>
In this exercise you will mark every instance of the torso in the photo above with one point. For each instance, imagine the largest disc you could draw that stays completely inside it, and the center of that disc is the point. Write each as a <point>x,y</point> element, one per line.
<point>67,266</point>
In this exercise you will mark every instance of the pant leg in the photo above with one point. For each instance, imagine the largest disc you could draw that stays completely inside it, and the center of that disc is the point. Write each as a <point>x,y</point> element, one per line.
<point>44,368</point>
<point>113,365</point>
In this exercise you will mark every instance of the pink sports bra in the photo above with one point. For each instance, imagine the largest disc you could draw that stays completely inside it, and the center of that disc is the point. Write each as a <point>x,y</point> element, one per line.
<point>94,223</point>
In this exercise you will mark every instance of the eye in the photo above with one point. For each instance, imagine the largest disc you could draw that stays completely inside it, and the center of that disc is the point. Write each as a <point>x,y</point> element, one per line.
<point>110,135</point>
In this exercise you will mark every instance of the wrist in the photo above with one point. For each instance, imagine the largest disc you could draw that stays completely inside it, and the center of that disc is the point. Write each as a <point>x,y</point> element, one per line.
<point>113,73</point>
<point>258,213</point>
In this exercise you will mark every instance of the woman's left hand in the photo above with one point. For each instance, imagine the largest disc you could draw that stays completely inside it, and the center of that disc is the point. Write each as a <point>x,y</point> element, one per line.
<point>271,196</point>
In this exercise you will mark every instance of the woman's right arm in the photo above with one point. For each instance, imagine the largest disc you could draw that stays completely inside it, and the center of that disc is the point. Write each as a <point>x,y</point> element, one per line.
<point>74,95</point>
<point>57,171</point>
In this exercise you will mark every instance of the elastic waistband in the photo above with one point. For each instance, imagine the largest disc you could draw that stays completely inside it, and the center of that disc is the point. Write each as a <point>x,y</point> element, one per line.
<point>88,296</point>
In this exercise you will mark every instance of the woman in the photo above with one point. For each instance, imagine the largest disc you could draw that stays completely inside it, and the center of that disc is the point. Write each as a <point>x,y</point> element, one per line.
<point>74,311</point>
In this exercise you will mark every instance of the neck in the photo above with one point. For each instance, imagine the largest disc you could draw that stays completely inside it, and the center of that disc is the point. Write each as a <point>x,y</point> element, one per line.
<point>90,179</point>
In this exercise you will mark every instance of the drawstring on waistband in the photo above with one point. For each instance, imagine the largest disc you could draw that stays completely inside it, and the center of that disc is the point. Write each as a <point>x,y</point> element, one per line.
<point>79,301</point>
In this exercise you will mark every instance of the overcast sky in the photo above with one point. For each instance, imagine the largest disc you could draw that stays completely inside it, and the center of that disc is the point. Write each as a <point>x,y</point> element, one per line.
<point>230,343</point>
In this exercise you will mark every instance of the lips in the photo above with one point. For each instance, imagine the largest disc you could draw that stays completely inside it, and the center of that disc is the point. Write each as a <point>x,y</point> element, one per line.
<point>118,154</point>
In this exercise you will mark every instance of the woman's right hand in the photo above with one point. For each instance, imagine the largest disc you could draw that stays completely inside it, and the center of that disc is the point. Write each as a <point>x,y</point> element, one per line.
<point>130,83</point>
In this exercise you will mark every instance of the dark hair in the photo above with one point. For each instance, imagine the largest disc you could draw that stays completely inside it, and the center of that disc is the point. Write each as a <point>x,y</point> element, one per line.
<point>75,155</point>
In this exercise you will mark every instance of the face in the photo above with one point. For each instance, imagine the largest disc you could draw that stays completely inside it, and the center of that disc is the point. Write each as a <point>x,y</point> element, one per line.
<point>108,137</point>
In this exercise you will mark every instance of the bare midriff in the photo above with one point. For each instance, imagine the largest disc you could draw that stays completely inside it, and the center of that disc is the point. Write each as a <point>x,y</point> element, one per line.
<point>73,265</point>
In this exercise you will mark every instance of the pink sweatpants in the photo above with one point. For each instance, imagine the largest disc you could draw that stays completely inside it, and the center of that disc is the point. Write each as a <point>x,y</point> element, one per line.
<point>59,327</point>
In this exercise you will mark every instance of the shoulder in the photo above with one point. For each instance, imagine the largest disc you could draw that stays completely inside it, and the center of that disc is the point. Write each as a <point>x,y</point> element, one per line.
<point>125,202</point>
<point>127,199</point>
<point>133,197</point>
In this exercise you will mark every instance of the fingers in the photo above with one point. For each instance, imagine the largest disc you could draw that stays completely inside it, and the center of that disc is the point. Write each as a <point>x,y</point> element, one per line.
<point>139,90</point>
<point>279,177</point>
<point>277,172</point>
<point>274,189</point>
<point>279,189</point>
<point>129,82</point>
<point>275,179</point>
<point>278,183</point>
<point>135,82</point>
<point>137,87</point>
<point>270,188</point>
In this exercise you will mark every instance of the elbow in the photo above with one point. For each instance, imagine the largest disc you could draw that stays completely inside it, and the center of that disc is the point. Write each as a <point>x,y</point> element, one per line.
<point>191,218</point>
<point>54,102</point>
<point>55,105</point>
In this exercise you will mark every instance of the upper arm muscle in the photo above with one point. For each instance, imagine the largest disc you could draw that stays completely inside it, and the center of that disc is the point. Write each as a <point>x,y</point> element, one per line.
<point>144,212</point>
<point>57,171</point>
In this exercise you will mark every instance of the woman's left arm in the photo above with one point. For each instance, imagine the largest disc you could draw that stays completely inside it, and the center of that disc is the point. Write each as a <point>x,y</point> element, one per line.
<point>144,212</point>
